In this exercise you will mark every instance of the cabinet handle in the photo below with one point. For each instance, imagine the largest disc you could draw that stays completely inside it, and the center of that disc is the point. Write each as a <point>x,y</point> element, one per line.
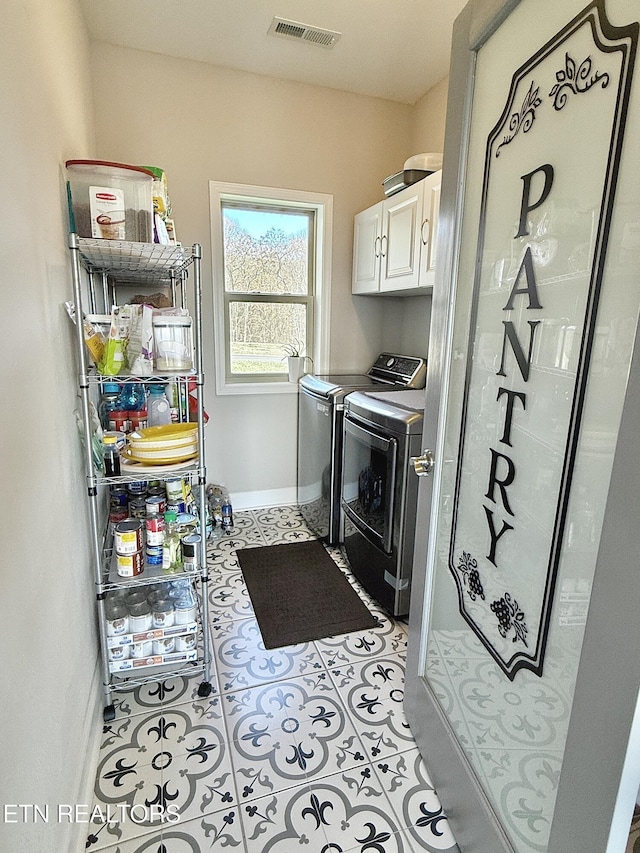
<point>383,252</point>
<point>377,247</point>
<point>424,242</point>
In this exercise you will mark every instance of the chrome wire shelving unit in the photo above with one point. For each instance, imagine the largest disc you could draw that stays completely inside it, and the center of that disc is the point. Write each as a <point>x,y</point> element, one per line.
<point>117,262</point>
<point>119,265</point>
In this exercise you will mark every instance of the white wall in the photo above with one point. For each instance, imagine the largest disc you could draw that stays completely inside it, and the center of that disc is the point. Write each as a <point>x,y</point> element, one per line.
<point>203,123</point>
<point>48,714</point>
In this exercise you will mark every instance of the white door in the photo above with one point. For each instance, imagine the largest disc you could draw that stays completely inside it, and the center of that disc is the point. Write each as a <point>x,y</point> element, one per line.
<point>523,668</point>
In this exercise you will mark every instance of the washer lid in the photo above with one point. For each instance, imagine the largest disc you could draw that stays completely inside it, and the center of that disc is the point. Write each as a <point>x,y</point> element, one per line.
<point>337,385</point>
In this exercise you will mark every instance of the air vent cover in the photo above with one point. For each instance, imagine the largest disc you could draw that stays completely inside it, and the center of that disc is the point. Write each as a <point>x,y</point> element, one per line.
<point>303,32</point>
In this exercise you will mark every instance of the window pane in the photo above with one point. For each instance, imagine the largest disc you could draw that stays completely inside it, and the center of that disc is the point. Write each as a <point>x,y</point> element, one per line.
<point>266,251</point>
<point>259,333</point>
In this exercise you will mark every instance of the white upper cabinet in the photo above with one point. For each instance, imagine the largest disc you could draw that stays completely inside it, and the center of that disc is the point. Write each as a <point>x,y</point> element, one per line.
<point>367,238</point>
<point>394,241</point>
<point>400,244</point>
<point>429,229</point>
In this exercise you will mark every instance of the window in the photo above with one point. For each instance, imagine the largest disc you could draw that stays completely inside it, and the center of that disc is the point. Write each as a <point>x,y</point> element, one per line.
<point>270,263</point>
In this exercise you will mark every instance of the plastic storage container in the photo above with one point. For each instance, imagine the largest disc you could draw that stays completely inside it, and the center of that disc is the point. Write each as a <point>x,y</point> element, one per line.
<point>110,201</point>
<point>172,342</point>
<point>109,402</point>
<point>158,406</point>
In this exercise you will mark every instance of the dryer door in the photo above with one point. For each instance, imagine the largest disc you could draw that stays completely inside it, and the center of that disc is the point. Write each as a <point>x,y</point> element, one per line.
<point>368,482</point>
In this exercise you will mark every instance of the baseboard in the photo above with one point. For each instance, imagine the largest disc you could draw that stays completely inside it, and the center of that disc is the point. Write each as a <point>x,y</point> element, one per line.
<point>89,737</point>
<point>268,498</point>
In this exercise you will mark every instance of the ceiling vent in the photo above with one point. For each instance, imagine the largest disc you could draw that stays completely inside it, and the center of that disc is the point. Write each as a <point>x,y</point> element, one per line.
<point>302,32</point>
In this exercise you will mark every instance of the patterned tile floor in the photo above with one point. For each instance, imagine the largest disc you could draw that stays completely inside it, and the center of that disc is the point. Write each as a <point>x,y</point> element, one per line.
<point>304,748</point>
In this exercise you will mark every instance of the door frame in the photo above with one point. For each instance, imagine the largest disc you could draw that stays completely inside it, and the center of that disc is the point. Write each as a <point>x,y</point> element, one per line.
<point>590,808</point>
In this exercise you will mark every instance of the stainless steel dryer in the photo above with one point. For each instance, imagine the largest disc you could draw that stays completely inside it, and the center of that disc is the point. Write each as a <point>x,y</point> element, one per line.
<point>382,431</point>
<point>320,416</point>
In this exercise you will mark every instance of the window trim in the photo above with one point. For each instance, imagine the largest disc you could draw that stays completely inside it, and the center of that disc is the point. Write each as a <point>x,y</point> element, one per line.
<point>322,204</point>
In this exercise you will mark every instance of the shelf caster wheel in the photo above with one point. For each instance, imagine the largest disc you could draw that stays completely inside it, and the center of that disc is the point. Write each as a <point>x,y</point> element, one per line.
<point>204,690</point>
<point>109,713</point>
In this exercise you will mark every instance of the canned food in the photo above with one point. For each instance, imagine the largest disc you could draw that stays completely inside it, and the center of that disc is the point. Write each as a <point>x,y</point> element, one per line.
<point>185,610</point>
<point>175,490</point>
<point>154,555</point>
<point>163,613</point>
<point>164,645</point>
<point>137,488</point>
<point>185,642</point>
<point>190,551</point>
<point>155,592</point>
<point>137,507</point>
<point>187,523</point>
<point>130,565</point>
<point>118,497</point>
<point>118,515</point>
<point>140,618</point>
<point>156,504</point>
<point>119,653</point>
<point>143,649</point>
<point>118,504</point>
<point>116,617</point>
<point>176,506</point>
<point>155,528</point>
<point>179,592</point>
<point>128,536</point>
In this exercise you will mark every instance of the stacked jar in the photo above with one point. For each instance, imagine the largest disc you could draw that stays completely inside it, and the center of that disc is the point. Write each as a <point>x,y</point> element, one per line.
<point>137,499</point>
<point>116,615</point>
<point>140,623</point>
<point>128,545</point>
<point>144,612</point>
<point>175,495</point>
<point>118,504</point>
<point>155,507</point>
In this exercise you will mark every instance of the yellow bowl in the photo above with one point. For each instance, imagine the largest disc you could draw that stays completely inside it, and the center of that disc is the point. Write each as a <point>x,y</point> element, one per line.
<point>158,457</point>
<point>166,432</point>
<point>164,437</point>
<point>145,444</point>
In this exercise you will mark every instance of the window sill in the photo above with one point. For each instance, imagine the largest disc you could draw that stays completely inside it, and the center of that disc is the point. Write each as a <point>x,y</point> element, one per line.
<point>255,388</point>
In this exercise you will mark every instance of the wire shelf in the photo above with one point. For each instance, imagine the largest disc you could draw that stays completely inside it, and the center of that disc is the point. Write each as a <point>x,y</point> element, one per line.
<point>125,261</point>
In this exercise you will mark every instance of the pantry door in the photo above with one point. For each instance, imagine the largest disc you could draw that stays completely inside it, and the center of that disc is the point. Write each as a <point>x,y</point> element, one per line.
<point>523,667</point>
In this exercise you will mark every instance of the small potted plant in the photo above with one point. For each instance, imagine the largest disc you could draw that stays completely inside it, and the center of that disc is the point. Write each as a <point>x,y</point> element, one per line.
<point>296,362</point>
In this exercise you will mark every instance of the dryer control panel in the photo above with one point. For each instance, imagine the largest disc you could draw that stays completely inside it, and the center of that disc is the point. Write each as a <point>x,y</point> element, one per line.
<point>406,370</point>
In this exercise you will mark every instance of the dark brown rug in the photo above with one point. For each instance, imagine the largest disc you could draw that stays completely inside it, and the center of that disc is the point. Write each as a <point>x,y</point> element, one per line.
<point>299,594</point>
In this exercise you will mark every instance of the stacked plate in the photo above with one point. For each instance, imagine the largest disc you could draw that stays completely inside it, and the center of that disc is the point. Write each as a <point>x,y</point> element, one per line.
<point>162,445</point>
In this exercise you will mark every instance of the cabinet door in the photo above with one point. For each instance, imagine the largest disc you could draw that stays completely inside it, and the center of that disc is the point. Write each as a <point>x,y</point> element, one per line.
<point>367,239</point>
<point>400,244</point>
<point>429,229</point>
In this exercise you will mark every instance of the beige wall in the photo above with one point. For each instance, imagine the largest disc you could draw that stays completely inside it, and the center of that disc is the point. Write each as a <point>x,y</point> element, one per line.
<point>428,120</point>
<point>225,125</point>
<point>49,711</point>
